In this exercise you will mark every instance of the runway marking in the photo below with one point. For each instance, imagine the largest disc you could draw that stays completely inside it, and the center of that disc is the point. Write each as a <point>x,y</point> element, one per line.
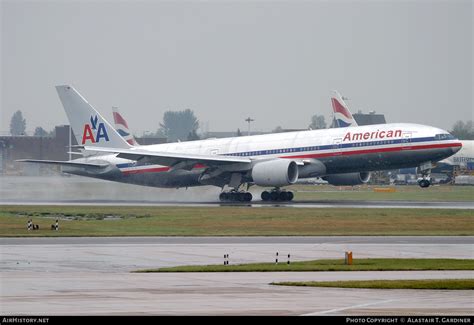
<point>349,307</point>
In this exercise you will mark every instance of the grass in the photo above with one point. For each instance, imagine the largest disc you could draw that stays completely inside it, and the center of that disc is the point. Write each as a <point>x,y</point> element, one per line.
<point>438,284</point>
<point>444,193</point>
<point>233,221</point>
<point>372,264</point>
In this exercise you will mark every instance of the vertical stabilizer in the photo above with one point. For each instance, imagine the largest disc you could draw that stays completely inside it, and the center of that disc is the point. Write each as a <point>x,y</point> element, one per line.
<point>89,127</point>
<point>342,115</point>
<point>122,128</point>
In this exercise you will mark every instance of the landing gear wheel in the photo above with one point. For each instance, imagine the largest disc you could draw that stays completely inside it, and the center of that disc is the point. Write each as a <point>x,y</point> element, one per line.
<point>277,195</point>
<point>247,197</point>
<point>265,196</point>
<point>223,196</point>
<point>424,183</point>
<point>274,196</point>
<point>235,197</point>
<point>283,196</point>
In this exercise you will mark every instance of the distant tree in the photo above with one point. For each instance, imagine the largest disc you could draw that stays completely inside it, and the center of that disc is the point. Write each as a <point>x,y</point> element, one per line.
<point>40,132</point>
<point>463,130</point>
<point>177,125</point>
<point>278,129</point>
<point>159,134</point>
<point>317,122</point>
<point>193,136</point>
<point>239,133</point>
<point>17,124</point>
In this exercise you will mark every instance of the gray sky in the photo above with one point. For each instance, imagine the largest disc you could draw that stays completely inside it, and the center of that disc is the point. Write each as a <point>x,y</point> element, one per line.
<point>275,61</point>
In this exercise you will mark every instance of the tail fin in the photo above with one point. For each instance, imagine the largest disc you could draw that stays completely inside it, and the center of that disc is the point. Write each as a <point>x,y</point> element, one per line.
<point>342,115</point>
<point>89,127</point>
<point>122,127</point>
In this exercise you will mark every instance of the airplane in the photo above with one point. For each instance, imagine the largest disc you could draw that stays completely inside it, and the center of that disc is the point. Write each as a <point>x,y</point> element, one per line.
<point>463,157</point>
<point>342,115</point>
<point>341,156</point>
<point>122,128</point>
<point>343,118</point>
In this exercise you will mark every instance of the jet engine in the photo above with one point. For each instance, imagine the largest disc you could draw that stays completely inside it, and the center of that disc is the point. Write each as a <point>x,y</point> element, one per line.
<point>278,172</point>
<point>348,179</point>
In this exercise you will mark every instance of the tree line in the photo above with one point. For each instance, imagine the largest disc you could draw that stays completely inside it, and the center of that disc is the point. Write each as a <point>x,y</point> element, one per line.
<point>183,126</point>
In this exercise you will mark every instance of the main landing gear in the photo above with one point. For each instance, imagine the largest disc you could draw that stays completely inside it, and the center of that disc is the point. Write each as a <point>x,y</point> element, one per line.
<point>235,196</point>
<point>277,195</point>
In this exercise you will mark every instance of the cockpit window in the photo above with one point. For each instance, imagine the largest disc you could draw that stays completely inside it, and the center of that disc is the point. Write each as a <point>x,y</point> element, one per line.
<point>444,136</point>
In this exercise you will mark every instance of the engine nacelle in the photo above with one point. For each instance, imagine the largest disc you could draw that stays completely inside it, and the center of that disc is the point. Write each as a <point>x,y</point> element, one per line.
<point>348,179</point>
<point>278,172</point>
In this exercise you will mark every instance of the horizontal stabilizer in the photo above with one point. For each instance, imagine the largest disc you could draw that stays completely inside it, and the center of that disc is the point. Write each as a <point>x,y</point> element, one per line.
<point>64,163</point>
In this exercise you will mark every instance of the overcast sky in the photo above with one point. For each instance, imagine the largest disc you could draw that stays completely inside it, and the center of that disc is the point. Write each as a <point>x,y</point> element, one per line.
<point>274,61</point>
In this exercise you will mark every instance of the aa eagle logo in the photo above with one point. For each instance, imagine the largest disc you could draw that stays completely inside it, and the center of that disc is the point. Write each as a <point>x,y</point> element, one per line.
<point>94,132</point>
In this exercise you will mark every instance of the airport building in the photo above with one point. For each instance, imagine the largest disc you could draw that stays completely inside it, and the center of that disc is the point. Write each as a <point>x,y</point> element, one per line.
<point>365,119</point>
<point>369,119</point>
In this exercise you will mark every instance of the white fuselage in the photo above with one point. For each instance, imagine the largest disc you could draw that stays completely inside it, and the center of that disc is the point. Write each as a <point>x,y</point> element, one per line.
<point>341,150</point>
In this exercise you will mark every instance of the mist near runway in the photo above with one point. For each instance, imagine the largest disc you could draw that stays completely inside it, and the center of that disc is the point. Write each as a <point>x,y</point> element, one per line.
<point>71,188</point>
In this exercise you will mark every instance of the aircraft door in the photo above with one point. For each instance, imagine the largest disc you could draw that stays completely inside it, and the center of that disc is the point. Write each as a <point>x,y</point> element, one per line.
<point>336,146</point>
<point>406,140</point>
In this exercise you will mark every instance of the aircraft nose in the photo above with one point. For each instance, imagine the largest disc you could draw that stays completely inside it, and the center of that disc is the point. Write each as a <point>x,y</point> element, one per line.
<point>457,148</point>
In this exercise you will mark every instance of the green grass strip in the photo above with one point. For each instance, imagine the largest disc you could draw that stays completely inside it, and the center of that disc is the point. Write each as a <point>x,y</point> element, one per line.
<point>234,221</point>
<point>371,264</point>
<point>438,284</point>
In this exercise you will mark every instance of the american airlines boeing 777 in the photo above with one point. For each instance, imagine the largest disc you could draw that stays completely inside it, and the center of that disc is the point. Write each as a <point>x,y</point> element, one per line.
<point>342,156</point>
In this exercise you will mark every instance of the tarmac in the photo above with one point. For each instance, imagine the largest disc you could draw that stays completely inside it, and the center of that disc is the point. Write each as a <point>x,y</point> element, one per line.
<point>92,276</point>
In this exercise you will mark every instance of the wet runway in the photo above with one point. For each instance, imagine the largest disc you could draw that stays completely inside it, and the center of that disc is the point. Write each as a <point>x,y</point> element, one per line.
<point>91,276</point>
<point>293,204</point>
<point>61,190</point>
<point>176,240</point>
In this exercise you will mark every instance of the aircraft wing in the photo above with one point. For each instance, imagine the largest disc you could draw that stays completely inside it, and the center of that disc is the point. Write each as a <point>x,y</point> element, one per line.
<point>170,158</point>
<point>65,163</point>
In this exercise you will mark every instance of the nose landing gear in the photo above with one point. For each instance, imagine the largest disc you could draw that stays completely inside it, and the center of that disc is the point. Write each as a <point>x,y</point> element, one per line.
<point>424,183</point>
<point>425,180</point>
